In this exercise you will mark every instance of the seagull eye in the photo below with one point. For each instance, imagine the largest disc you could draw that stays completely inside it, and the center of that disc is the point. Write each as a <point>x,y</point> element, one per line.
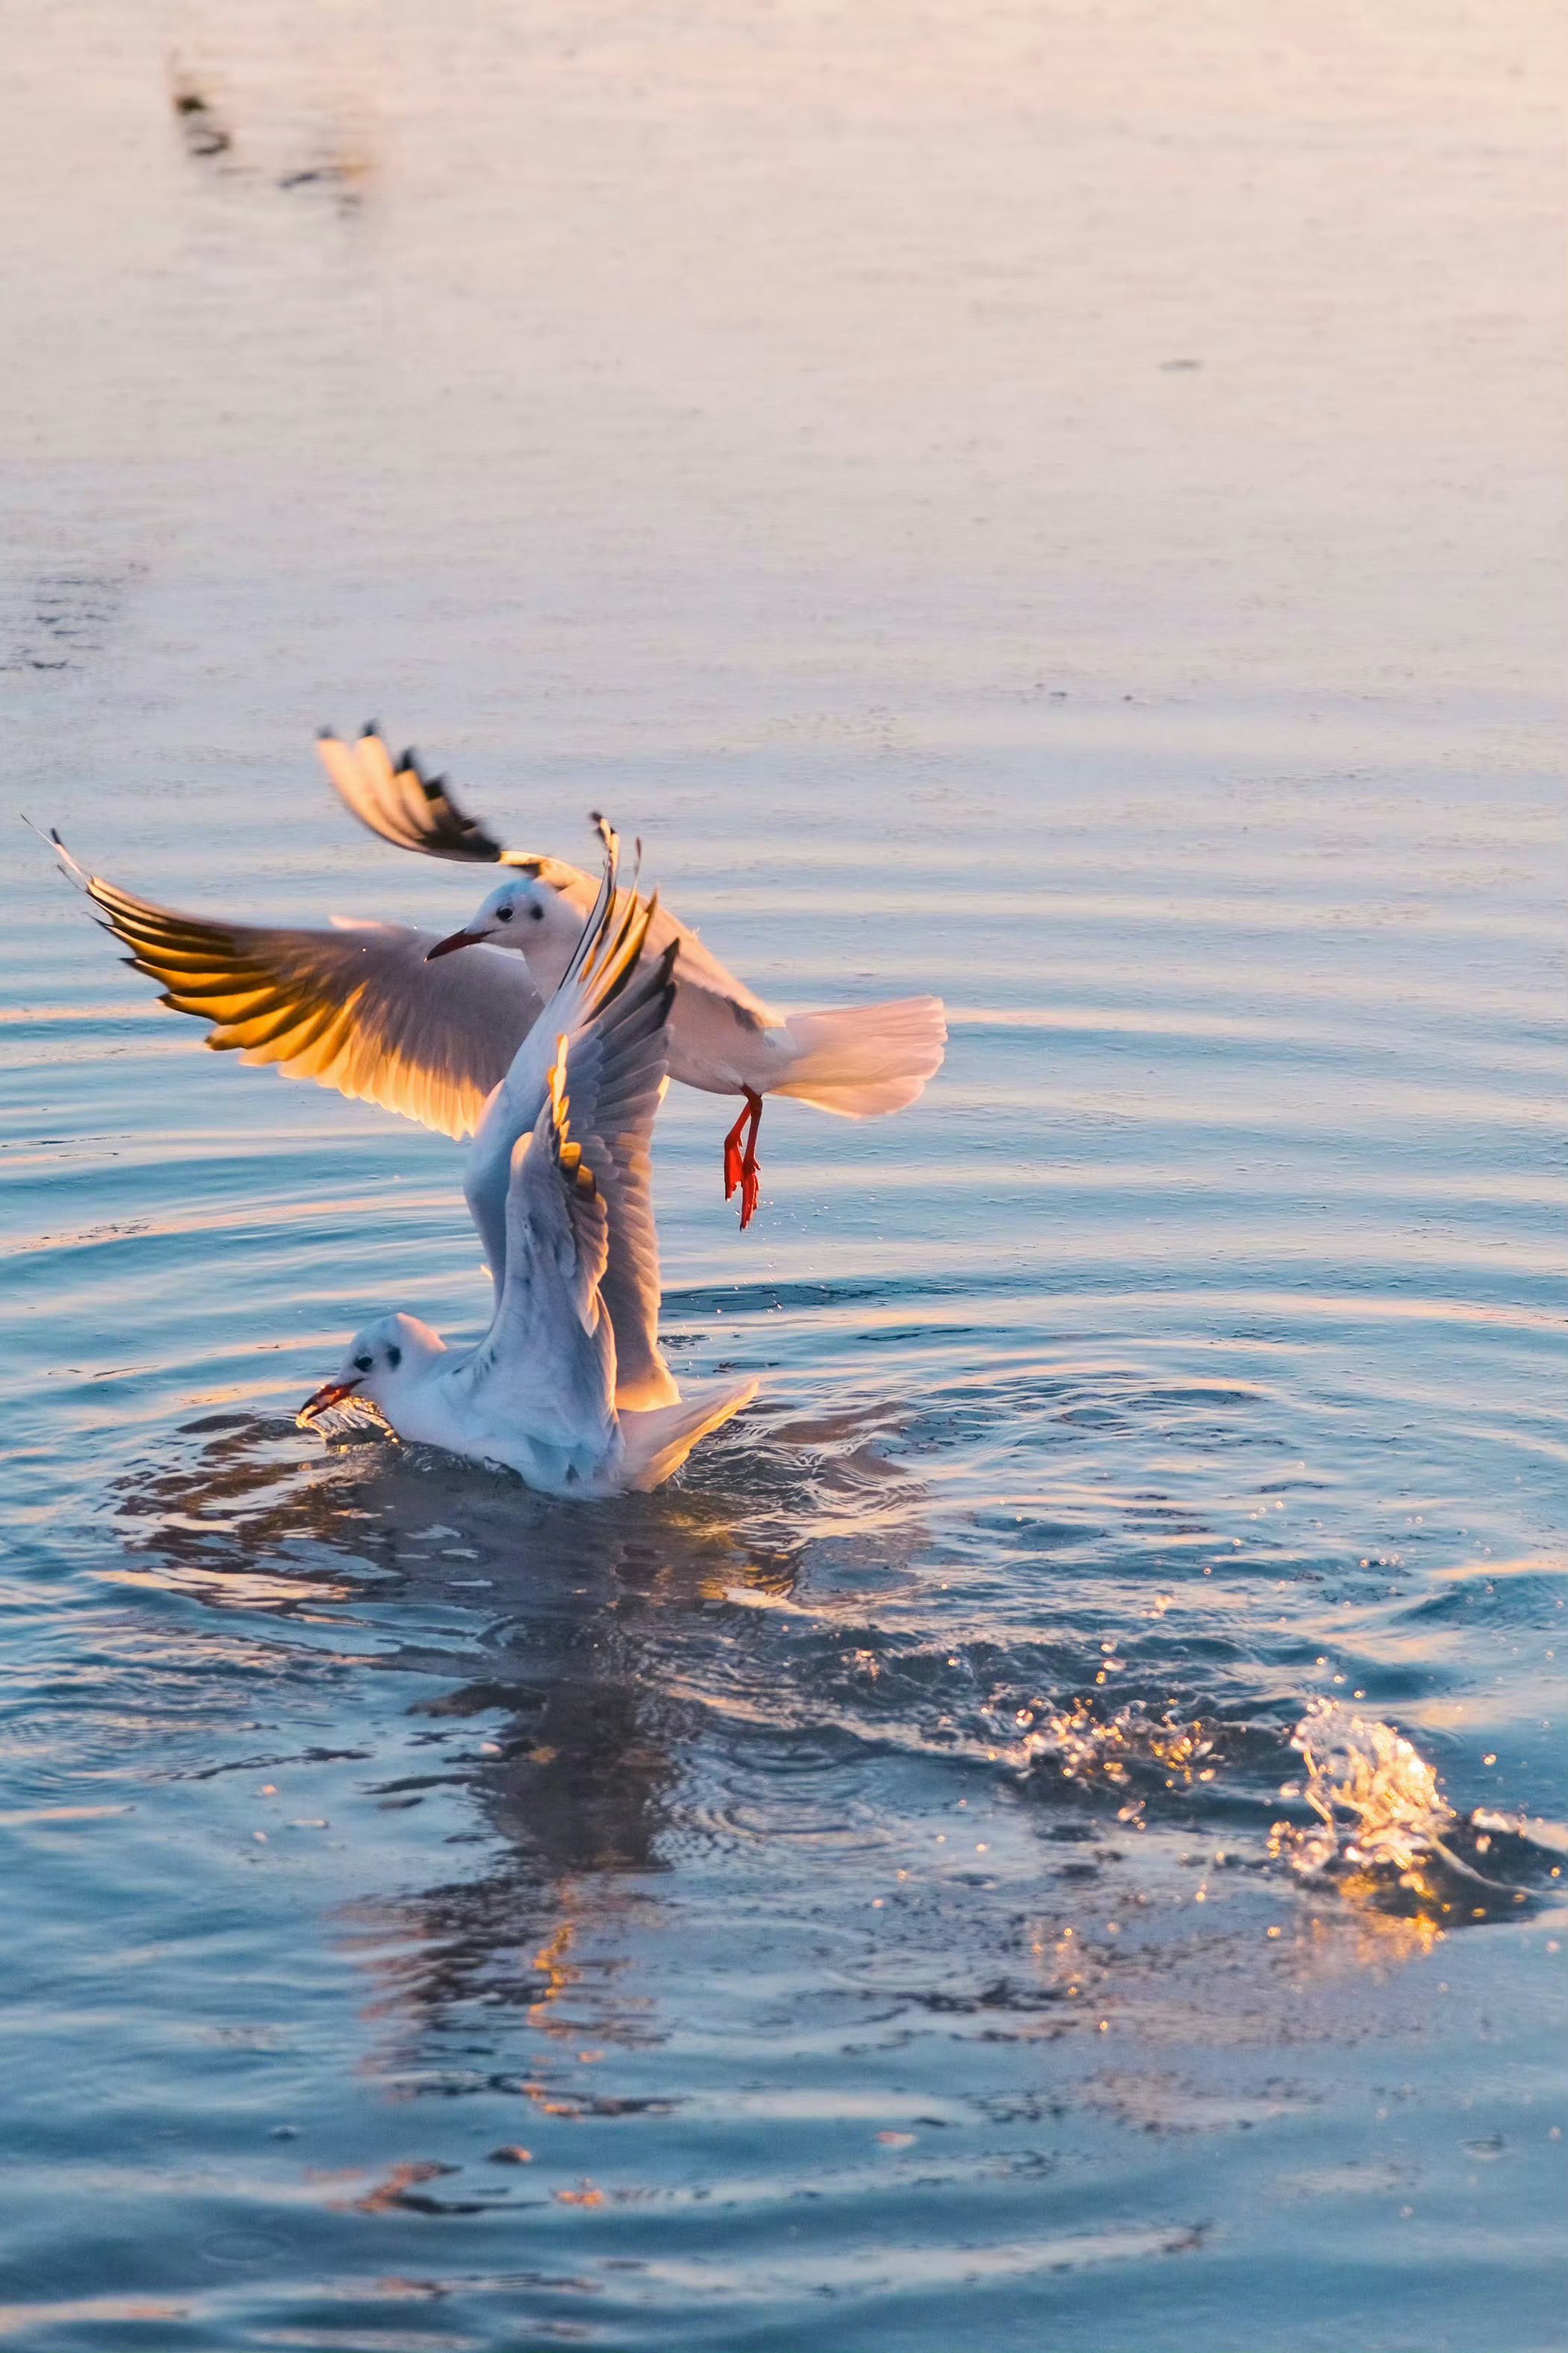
<point>503,915</point>
<point>364,1364</point>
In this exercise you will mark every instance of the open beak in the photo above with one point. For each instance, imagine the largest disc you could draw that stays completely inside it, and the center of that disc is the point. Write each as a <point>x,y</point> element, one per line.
<point>329,1393</point>
<point>453,940</point>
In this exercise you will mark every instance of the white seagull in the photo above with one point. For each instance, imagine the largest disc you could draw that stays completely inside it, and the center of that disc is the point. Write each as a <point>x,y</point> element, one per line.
<point>364,1008</point>
<point>857,1060</point>
<point>542,1392</point>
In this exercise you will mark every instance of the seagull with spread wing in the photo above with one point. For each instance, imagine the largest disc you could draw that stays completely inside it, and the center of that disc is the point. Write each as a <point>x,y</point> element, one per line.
<point>578,1300</point>
<point>389,1015</point>
<point>858,1060</point>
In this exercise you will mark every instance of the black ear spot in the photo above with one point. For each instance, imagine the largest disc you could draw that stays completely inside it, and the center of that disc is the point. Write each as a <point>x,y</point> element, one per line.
<point>394,1358</point>
<point>365,1363</point>
<point>538,914</point>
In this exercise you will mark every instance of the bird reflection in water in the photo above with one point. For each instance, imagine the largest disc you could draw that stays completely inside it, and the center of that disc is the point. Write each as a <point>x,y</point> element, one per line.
<point>570,1790</point>
<point>575,1727</point>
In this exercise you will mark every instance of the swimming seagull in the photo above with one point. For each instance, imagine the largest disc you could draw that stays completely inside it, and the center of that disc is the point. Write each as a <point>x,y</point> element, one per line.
<point>859,1060</point>
<point>540,1391</point>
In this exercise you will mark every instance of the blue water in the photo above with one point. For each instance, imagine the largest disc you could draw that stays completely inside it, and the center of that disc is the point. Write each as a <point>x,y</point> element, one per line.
<point>861,1896</point>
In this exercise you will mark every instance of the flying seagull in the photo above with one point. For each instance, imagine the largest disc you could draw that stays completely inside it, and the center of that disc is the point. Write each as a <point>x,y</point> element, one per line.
<point>858,1060</point>
<point>383,1013</point>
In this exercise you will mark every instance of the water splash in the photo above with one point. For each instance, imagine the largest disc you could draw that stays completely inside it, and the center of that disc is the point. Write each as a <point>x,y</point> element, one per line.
<point>1378,1804</point>
<point>1134,1744</point>
<point>352,1419</point>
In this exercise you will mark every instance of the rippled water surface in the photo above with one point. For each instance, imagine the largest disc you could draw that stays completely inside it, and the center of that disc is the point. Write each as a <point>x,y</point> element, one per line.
<point>1050,1832</point>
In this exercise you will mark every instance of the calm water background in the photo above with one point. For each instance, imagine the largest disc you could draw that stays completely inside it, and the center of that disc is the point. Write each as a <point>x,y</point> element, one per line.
<point>1056,505</point>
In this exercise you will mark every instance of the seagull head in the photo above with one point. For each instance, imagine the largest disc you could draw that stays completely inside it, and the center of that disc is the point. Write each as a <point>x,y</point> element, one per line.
<point>382,1363</point>
<point>518,914</point>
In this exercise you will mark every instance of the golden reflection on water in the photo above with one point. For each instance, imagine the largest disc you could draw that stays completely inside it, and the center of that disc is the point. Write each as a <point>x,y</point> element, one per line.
<point>1364,1934</point>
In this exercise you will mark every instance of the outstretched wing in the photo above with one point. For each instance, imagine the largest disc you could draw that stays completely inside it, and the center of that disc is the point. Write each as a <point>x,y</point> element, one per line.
<point>613,1014</point>
<point>548,1359</point>
<point>356,1008</point>
<point>402,803</point>
<point>556,1215</point>
<point>618,1081</point>
<point>607,1023</point>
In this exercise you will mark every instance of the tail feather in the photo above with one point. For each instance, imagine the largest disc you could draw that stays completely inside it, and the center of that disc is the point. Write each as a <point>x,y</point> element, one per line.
<point>862,1059</point>
<point>659,1442</point>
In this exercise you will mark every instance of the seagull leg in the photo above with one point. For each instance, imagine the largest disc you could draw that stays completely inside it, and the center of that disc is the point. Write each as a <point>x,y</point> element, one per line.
<point>732,1151</point>
<point>740,1165</point>
<point>751,1169</point>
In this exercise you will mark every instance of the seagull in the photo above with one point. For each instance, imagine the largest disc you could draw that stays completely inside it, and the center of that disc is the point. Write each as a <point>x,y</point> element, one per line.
<point>540,1391</point>
<point>366,1008</point>
<point>724,1040</point>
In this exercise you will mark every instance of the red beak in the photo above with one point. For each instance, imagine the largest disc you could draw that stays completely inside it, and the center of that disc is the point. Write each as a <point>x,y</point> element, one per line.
<point>453,940</point>
<point>329,1393</point>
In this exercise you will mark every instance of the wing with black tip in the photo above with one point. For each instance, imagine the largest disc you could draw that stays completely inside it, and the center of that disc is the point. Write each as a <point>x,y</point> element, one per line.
<point>402,803</point>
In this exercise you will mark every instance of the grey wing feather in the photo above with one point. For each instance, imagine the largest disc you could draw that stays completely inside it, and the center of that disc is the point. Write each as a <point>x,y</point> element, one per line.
<point>617,1074</point>
<point>356,1008</point>
<point>610,1009</point>
<point>549,1355</point>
